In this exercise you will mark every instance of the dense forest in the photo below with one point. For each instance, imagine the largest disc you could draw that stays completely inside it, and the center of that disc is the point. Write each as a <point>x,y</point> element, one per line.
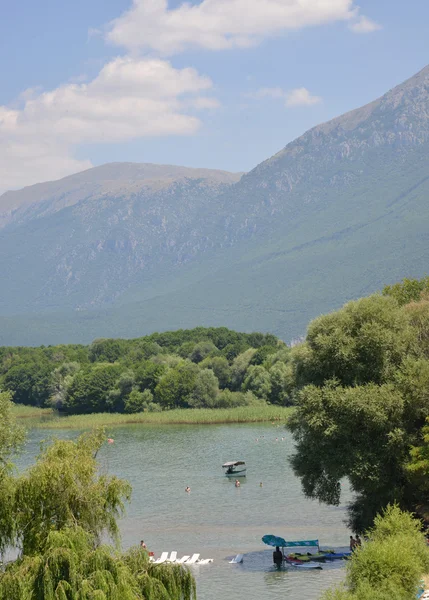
<point>200,368</point>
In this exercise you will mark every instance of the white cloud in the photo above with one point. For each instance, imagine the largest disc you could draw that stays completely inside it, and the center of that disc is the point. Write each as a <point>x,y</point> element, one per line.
<point>364,25</point>
<point>129,98</point>
<point>301,97</point>
<point>296,97</point>
<point>220,24</point>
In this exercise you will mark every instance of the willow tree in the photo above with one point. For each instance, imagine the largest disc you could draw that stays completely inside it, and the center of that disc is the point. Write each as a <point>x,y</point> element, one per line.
<point>73,567</point>
<point>57,512</point>
<point>11,438</point>
<point>64,489</point>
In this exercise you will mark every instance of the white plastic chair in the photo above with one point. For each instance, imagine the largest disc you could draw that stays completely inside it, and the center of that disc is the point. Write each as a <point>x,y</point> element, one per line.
<point>161,559</point>
<point>193,559</point>
<point>183,559</point>
<point>173,557</point>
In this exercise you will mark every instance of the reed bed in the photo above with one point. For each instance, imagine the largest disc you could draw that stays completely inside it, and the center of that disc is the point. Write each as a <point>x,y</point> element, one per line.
<point>182,416</point>
<point>20,411</point>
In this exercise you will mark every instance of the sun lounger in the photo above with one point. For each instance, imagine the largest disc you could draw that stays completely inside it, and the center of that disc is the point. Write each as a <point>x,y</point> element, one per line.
<point>236,560</point>
<point>161,559</point>
<point>193,559</point>
<point>205,561</point>
<point>183,559</point>
<point>173,557</point>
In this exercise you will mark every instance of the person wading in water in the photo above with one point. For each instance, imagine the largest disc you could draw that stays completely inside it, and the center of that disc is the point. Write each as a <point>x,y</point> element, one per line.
<point>277,557</point>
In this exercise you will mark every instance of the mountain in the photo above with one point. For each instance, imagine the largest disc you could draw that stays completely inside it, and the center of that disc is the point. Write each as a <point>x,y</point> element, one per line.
<point>81,241</point>
<point>129,249</point>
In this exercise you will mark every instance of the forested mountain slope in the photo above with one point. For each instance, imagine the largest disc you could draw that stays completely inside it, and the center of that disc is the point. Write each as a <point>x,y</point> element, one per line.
<point>334,215</point>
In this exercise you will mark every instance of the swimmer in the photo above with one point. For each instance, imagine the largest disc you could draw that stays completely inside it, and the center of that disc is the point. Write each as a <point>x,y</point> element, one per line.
<point>260,484</point>
<point>237,483</point>
<point>187,489</point>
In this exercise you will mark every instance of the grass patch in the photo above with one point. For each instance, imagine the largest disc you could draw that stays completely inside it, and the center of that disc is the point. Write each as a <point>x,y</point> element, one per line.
<point>20,411</point>
<point>204,416</point>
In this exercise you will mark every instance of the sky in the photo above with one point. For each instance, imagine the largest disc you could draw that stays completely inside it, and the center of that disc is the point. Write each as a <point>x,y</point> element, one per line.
<point>206,83</point>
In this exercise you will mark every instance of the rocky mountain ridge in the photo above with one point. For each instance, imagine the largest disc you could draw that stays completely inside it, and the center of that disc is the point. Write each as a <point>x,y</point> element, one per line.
<point>336,214</point>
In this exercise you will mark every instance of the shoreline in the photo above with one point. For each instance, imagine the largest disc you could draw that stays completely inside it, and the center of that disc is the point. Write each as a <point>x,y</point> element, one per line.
<point>48,419</point>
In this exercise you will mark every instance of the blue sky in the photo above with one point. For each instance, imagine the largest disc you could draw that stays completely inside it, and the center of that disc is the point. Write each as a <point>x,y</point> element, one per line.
<point>217,83</point>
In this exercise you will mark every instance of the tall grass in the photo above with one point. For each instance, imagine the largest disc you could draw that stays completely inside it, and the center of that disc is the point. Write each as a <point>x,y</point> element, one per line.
<point>20,411</point>
<point>196,416</point>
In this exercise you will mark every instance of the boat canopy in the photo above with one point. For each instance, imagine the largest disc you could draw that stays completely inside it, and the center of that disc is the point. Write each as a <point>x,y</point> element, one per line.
<point>273,540</point>
<point>233,463</point>
<point>302,543</point>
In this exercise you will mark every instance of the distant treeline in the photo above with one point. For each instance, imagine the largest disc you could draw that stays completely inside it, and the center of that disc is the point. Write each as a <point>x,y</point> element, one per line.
<point>202,368</point>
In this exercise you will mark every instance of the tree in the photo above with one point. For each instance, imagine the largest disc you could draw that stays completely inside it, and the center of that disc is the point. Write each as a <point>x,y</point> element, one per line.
<point>117,397</point>
<point>356,433</point>
<point>29,383</point>
<point>11,438</point>
<point>140,402</point>
<point>60,380</point>
<point>282,382</point>
<point>220,367</point>
<point>201,350</point>
<point>364,342</point>
<point>418,315</point>
<point>262,354</point>
<point>148,375</point>
<point>258,381</point>
<point>206,390</point>
<point>88,392</point>
<point>239,367</point>
<point>11,434</point>
<point>176,386</point>
<point>228,399</point>
<point>390,565</point>
<point>408,290</point>
<point>73,567</point>
<point>64,488</point>
<point>105,350</point>
<point>57,512</point>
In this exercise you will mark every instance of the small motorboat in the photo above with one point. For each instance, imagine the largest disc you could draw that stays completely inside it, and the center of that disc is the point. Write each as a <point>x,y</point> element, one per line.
<point>235,468</point>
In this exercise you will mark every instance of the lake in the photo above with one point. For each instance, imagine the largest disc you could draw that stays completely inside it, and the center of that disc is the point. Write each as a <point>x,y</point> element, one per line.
<point>217,519</point>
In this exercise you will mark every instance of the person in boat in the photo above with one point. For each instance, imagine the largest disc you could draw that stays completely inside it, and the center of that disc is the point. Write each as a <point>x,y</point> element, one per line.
<point>187,489</point>
<point>352,543</point>
<point>277,557</point>
<point>237,483</point>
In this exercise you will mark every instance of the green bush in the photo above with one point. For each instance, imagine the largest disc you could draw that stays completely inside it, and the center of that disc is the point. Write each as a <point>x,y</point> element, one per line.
<point>390,564</point>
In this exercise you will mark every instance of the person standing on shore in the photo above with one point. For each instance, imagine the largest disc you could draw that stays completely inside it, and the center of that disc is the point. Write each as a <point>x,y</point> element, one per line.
<point>353,543</point>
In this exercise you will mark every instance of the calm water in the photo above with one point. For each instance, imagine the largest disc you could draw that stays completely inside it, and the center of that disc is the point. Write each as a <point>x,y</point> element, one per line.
<point>217,519</point>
